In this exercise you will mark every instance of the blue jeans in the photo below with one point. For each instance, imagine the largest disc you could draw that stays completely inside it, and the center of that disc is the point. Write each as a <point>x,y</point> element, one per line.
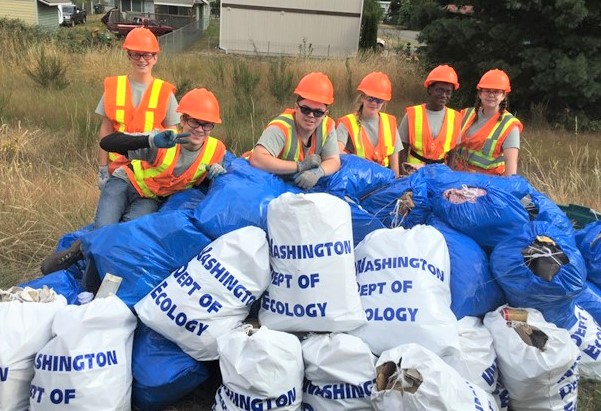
<point>119,201</point>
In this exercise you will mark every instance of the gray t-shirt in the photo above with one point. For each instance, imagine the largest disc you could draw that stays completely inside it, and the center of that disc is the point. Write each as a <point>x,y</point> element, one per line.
<point>371,127</point>
<point>274,140</point>
<point>435,119</point>
<point>512,140</point>
<point>137,92</point>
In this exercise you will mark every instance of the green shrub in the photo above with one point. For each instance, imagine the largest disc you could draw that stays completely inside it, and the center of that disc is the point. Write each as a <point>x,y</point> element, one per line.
<point>48,71</point>
<point>280,80</point>
<point>245,82</point>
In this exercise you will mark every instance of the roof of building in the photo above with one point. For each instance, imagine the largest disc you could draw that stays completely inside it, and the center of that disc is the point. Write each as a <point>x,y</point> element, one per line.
<point>55,2</point>
<point>179,3</point>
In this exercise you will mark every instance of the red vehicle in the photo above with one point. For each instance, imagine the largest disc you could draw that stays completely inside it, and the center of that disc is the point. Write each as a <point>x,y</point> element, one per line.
<point>114,23</point>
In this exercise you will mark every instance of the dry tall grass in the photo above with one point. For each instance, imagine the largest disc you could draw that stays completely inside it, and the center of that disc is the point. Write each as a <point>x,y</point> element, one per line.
<point>48,138</point>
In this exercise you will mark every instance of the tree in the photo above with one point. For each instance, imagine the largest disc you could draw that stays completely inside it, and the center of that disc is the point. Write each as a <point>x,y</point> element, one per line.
<point>369,24</point>
<point>550,49</point>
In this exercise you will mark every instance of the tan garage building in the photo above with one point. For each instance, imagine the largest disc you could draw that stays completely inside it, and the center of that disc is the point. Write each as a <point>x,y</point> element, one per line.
<point>293,27</point>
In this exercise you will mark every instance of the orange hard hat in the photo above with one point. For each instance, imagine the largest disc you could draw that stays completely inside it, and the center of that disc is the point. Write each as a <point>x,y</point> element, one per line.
<point>376,84</point>
<point>495,79</point>
<point>141,39</point>
<point>443,73</point>
<point>200,104</point>
<point>316,86</point>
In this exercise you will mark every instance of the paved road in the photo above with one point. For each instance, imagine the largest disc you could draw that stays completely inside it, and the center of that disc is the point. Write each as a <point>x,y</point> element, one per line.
<point>395,35</point>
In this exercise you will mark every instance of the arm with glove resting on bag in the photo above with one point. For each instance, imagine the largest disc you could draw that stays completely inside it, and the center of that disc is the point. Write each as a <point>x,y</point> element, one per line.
<point>301,142</point>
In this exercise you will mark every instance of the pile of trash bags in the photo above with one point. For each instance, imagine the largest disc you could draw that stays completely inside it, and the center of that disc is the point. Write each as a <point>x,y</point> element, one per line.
<point>440,290</point>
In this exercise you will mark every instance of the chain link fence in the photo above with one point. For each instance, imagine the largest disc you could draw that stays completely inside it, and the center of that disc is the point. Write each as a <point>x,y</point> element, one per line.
<point>182,38</point>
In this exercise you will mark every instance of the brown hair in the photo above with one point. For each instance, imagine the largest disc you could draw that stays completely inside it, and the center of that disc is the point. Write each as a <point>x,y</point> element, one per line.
<point>502,107</point>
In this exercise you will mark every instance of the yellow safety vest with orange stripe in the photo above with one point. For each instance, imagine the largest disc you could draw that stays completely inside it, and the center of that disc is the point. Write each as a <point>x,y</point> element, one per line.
<point>119,108</point>
<point>423,149</point>
<point>361,143</point>
<point>483,151</point>
<point>157,179</point>
<point>293,150</point>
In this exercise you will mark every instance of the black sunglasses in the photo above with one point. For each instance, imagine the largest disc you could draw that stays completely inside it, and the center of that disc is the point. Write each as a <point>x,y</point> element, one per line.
<point>374,99</point>
<point>194,124</point>
<point>317,112</point>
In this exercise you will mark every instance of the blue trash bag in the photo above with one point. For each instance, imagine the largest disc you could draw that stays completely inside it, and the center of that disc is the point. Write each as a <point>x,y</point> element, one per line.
<point>162,372</point>
<point>409,211</point>
<point>363,222</point>
<point>356,178</point>
<point>521,279</point>
<point>588,241</point>
<point>487,219</point>
<point>590,301</point>
<point>62,282</point>
<point>239,199</point>
<point>439,178</point>
<point>144,251</point>
<point>194,196</point>
<point>474,291</point>
<point>541,208</point>
<point>186,199</point>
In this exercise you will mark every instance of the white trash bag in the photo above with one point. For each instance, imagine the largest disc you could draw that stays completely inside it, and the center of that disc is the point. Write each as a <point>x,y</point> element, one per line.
<point>261,369</point>
<point>26,317</point>
<point>339,373</point>
<point>537,361</point>
<point>477,361</point>
<point>586,334</point>
<point>211,295</point>
<point>413,378</point>
<point>404,285</point>
<point>313,286</point>
<point>86,366</point>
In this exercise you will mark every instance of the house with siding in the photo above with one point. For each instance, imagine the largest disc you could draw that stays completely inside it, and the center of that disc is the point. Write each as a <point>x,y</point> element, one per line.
<point>190,9</point>
<point>44,13</point>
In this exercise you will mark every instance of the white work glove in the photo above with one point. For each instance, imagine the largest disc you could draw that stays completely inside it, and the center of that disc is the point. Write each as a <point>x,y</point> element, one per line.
<point>214,170</point>
<point>307,179</point>
<point>103,176</point>
<point>312,161</point>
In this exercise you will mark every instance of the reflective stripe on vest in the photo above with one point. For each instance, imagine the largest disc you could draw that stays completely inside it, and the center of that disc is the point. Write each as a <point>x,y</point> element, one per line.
<point>362,143</point>
<point>483,150</point>
<point>119,108</point>
<point>157,179</point>
<point>421,140</point>
<point>292,150</point>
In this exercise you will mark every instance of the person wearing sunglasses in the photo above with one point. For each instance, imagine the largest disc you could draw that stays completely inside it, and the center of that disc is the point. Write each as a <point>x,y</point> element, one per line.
<point>300,143</point>
<point>137,102</point>
<point>490,135</point>
<point>368,132</point>
<point>161,163</point>
<point>431,131</point>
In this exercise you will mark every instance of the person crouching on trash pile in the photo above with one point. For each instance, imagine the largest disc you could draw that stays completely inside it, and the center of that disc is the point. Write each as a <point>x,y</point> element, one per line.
<point>162,163</point>
<point>368,132</point>
<point>490,135</point>
<point>430,131</point>
<point>301,143</point>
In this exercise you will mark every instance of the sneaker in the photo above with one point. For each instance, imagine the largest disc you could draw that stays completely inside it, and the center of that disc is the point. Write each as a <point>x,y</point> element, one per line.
<point>62,259</point>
